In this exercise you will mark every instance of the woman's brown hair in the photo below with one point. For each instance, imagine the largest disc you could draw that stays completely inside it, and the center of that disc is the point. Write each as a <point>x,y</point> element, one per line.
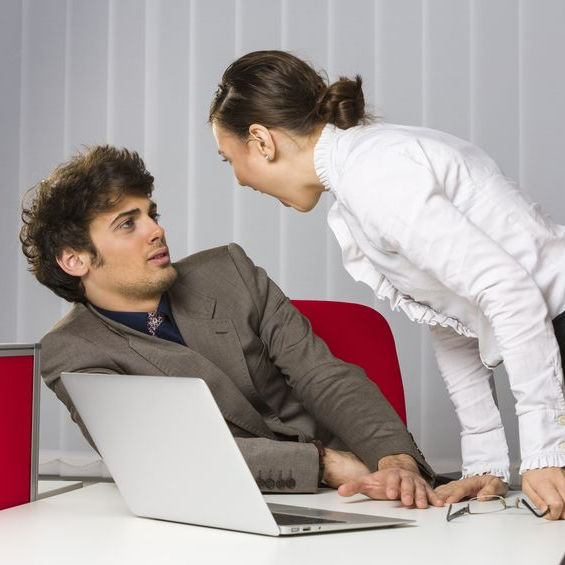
<point>277,89</point>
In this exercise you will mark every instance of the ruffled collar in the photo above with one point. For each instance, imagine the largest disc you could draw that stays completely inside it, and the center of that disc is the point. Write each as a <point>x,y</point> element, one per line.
<point>322,154</point>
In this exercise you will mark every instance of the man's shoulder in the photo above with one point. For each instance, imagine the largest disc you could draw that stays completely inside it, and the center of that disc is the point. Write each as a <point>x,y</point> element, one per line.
<point>78,335</point>
<point>224,258</point>
<point>78,317</point>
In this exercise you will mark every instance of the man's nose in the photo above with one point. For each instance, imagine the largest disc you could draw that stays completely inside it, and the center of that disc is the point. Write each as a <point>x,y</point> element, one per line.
<point>157,232</point>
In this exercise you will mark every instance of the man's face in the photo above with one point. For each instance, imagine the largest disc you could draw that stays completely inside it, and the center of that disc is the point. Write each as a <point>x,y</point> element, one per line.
<point>133,268</point>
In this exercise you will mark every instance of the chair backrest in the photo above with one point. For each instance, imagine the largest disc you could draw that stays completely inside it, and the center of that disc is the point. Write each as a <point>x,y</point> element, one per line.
<point>360,335</point>
<point>19,423</point>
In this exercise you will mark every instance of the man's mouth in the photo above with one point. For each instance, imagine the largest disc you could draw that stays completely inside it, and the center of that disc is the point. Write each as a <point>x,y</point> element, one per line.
<point>160,257</point>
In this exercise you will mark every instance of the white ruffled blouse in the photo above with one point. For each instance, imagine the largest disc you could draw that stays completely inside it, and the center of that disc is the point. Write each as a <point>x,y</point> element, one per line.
<point>430,223</point>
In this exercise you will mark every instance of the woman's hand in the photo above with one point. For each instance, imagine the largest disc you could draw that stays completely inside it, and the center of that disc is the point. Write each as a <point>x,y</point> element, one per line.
<point>479,485</point>
<point>546,487</point>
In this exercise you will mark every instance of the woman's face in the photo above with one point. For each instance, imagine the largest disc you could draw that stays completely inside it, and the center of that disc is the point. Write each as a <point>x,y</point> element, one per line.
<point>248,164</point>
<point>251,168</point>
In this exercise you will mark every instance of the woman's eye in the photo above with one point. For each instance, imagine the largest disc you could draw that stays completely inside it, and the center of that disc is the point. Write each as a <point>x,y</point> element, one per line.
<point>225,160</point>
<point>155,217</point>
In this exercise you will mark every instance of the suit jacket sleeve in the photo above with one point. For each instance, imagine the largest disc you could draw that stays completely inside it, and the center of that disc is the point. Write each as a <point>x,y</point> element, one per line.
<point>277,466</point>
<point>337,394</point>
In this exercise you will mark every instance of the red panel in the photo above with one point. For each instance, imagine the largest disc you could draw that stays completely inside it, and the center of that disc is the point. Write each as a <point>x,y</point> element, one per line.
<point>16,407</point>
<point>360,335</point>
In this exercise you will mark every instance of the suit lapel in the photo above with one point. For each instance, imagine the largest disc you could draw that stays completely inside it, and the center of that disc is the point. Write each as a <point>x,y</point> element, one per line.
<point>215,339</point>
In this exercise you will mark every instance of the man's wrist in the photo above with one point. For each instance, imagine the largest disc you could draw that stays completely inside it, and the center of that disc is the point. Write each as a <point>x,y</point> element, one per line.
<point>398,461</point>
<point>321,454</point>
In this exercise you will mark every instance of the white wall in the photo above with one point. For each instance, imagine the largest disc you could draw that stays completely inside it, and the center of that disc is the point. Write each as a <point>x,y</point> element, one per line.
<point>141,74</point>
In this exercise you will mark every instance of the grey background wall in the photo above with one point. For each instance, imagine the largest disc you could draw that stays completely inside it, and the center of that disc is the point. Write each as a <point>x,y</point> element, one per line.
<point>141,73</point>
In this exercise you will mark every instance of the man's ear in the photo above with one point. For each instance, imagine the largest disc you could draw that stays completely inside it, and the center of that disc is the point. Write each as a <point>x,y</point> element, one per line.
<point>75,263</point>
<point>264,139</point>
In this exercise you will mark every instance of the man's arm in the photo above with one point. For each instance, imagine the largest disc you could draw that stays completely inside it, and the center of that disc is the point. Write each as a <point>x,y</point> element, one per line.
<point>337,394</point>
<point>277,466</point>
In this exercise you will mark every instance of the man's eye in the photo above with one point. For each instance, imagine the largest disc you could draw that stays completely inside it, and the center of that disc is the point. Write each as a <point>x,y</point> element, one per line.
<point>155,217</point>
<point>225,160</point>
<point>126,225</point>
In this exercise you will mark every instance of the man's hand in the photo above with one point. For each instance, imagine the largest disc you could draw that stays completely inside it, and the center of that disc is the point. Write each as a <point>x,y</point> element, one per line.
<point>546,487</point>
<point>342,466</point>
<point>479,485</point>
<point>397,478</point>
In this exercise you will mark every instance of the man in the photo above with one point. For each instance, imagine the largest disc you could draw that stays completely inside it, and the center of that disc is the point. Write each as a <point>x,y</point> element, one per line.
<point>299,415</point>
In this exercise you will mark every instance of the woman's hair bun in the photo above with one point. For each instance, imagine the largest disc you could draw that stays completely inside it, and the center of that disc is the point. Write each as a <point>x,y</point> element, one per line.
<point>343,103</point>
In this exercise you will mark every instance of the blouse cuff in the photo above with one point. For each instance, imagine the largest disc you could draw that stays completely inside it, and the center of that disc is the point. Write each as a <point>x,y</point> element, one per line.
<point>547,459</point>
<point>486,453</point>
<point>485,468</point>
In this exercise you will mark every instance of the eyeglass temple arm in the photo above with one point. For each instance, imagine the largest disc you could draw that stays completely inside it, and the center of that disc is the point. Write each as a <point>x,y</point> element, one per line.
<point>460,512</point>
<point>532,509</point>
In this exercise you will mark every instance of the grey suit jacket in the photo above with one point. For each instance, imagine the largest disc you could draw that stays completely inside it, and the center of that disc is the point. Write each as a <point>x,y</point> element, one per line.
<point>275,382</point>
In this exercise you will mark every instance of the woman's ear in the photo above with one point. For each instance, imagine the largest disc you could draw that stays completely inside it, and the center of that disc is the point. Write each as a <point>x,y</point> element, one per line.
<point>73,262</point>
<point>265,142</point>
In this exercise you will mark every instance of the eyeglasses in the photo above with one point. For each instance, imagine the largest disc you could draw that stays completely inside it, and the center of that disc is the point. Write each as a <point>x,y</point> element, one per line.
<point>489,504</point>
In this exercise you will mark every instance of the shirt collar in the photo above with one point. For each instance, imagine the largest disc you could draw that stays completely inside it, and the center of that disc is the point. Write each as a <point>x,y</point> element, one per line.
<point>137,320</point>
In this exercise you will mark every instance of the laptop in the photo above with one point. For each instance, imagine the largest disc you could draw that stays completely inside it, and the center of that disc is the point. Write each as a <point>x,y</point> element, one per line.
<point>172,456</point>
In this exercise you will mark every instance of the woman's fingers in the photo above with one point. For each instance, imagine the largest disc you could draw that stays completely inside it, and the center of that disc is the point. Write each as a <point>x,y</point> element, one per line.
<point>546,488</point>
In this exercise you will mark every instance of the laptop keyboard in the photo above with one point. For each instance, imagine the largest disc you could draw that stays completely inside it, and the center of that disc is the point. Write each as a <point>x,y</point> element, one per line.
<point>291,519</point>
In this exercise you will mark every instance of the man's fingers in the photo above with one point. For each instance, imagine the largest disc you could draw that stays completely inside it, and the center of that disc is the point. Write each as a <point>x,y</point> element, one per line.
<point>407,490</point>
<point>421,495</point>
<point>350,488</point>
<point>393,486</point>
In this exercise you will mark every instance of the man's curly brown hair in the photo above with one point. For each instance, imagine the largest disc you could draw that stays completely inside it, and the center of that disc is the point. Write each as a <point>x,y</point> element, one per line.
<point>57,211</point>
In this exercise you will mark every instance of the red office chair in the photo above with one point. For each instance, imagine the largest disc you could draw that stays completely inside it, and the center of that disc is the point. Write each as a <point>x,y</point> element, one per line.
<point>19,423</point>
<point>360,335</point>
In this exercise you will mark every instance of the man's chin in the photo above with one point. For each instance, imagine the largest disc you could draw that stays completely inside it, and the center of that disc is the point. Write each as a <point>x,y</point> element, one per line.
<point>169,276</point>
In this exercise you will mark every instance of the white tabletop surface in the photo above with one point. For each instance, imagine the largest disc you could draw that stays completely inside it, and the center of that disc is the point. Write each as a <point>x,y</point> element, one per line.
<point>93,525</point>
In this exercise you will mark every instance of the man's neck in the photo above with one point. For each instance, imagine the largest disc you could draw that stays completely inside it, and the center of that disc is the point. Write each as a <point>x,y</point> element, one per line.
<point>119,304</point>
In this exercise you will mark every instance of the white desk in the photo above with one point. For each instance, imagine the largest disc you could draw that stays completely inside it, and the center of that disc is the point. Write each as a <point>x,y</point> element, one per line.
<point>93,525</point>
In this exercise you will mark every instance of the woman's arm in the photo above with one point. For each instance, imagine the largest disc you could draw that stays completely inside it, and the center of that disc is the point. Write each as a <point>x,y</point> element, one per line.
<point>483,443</point>
<point>402,200</point>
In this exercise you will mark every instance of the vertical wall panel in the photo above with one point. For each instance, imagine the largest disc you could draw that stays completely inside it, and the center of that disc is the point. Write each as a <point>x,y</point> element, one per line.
<point>398,99</point>
<point>398,61</point>
<point>446,106</point>
<point>304,235</point>
<point>495,124</point>
<point>167,101</point>
<point>446,52</point>
<point>87,74</point>
<point>126,74</point>
<point>210,199</point>
<point>10,93</point>
<point>494,81</point>
<point>41,148</point>
<point>351,51</point>
<point>42,137</point>
<point>542,92</point>
<point>256,216</point>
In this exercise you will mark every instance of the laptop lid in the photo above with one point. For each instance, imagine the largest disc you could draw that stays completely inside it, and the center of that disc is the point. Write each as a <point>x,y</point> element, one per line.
<point>173,457</point>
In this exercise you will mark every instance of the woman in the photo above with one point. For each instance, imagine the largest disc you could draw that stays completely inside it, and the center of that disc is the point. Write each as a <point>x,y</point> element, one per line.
<point>430,223</point>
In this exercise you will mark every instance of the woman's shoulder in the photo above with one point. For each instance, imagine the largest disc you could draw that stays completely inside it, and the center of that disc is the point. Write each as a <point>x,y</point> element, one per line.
<point>388,143</point>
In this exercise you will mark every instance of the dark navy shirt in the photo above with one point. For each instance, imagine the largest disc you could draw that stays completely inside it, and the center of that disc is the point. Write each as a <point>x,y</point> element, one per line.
<point>138,321</point>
